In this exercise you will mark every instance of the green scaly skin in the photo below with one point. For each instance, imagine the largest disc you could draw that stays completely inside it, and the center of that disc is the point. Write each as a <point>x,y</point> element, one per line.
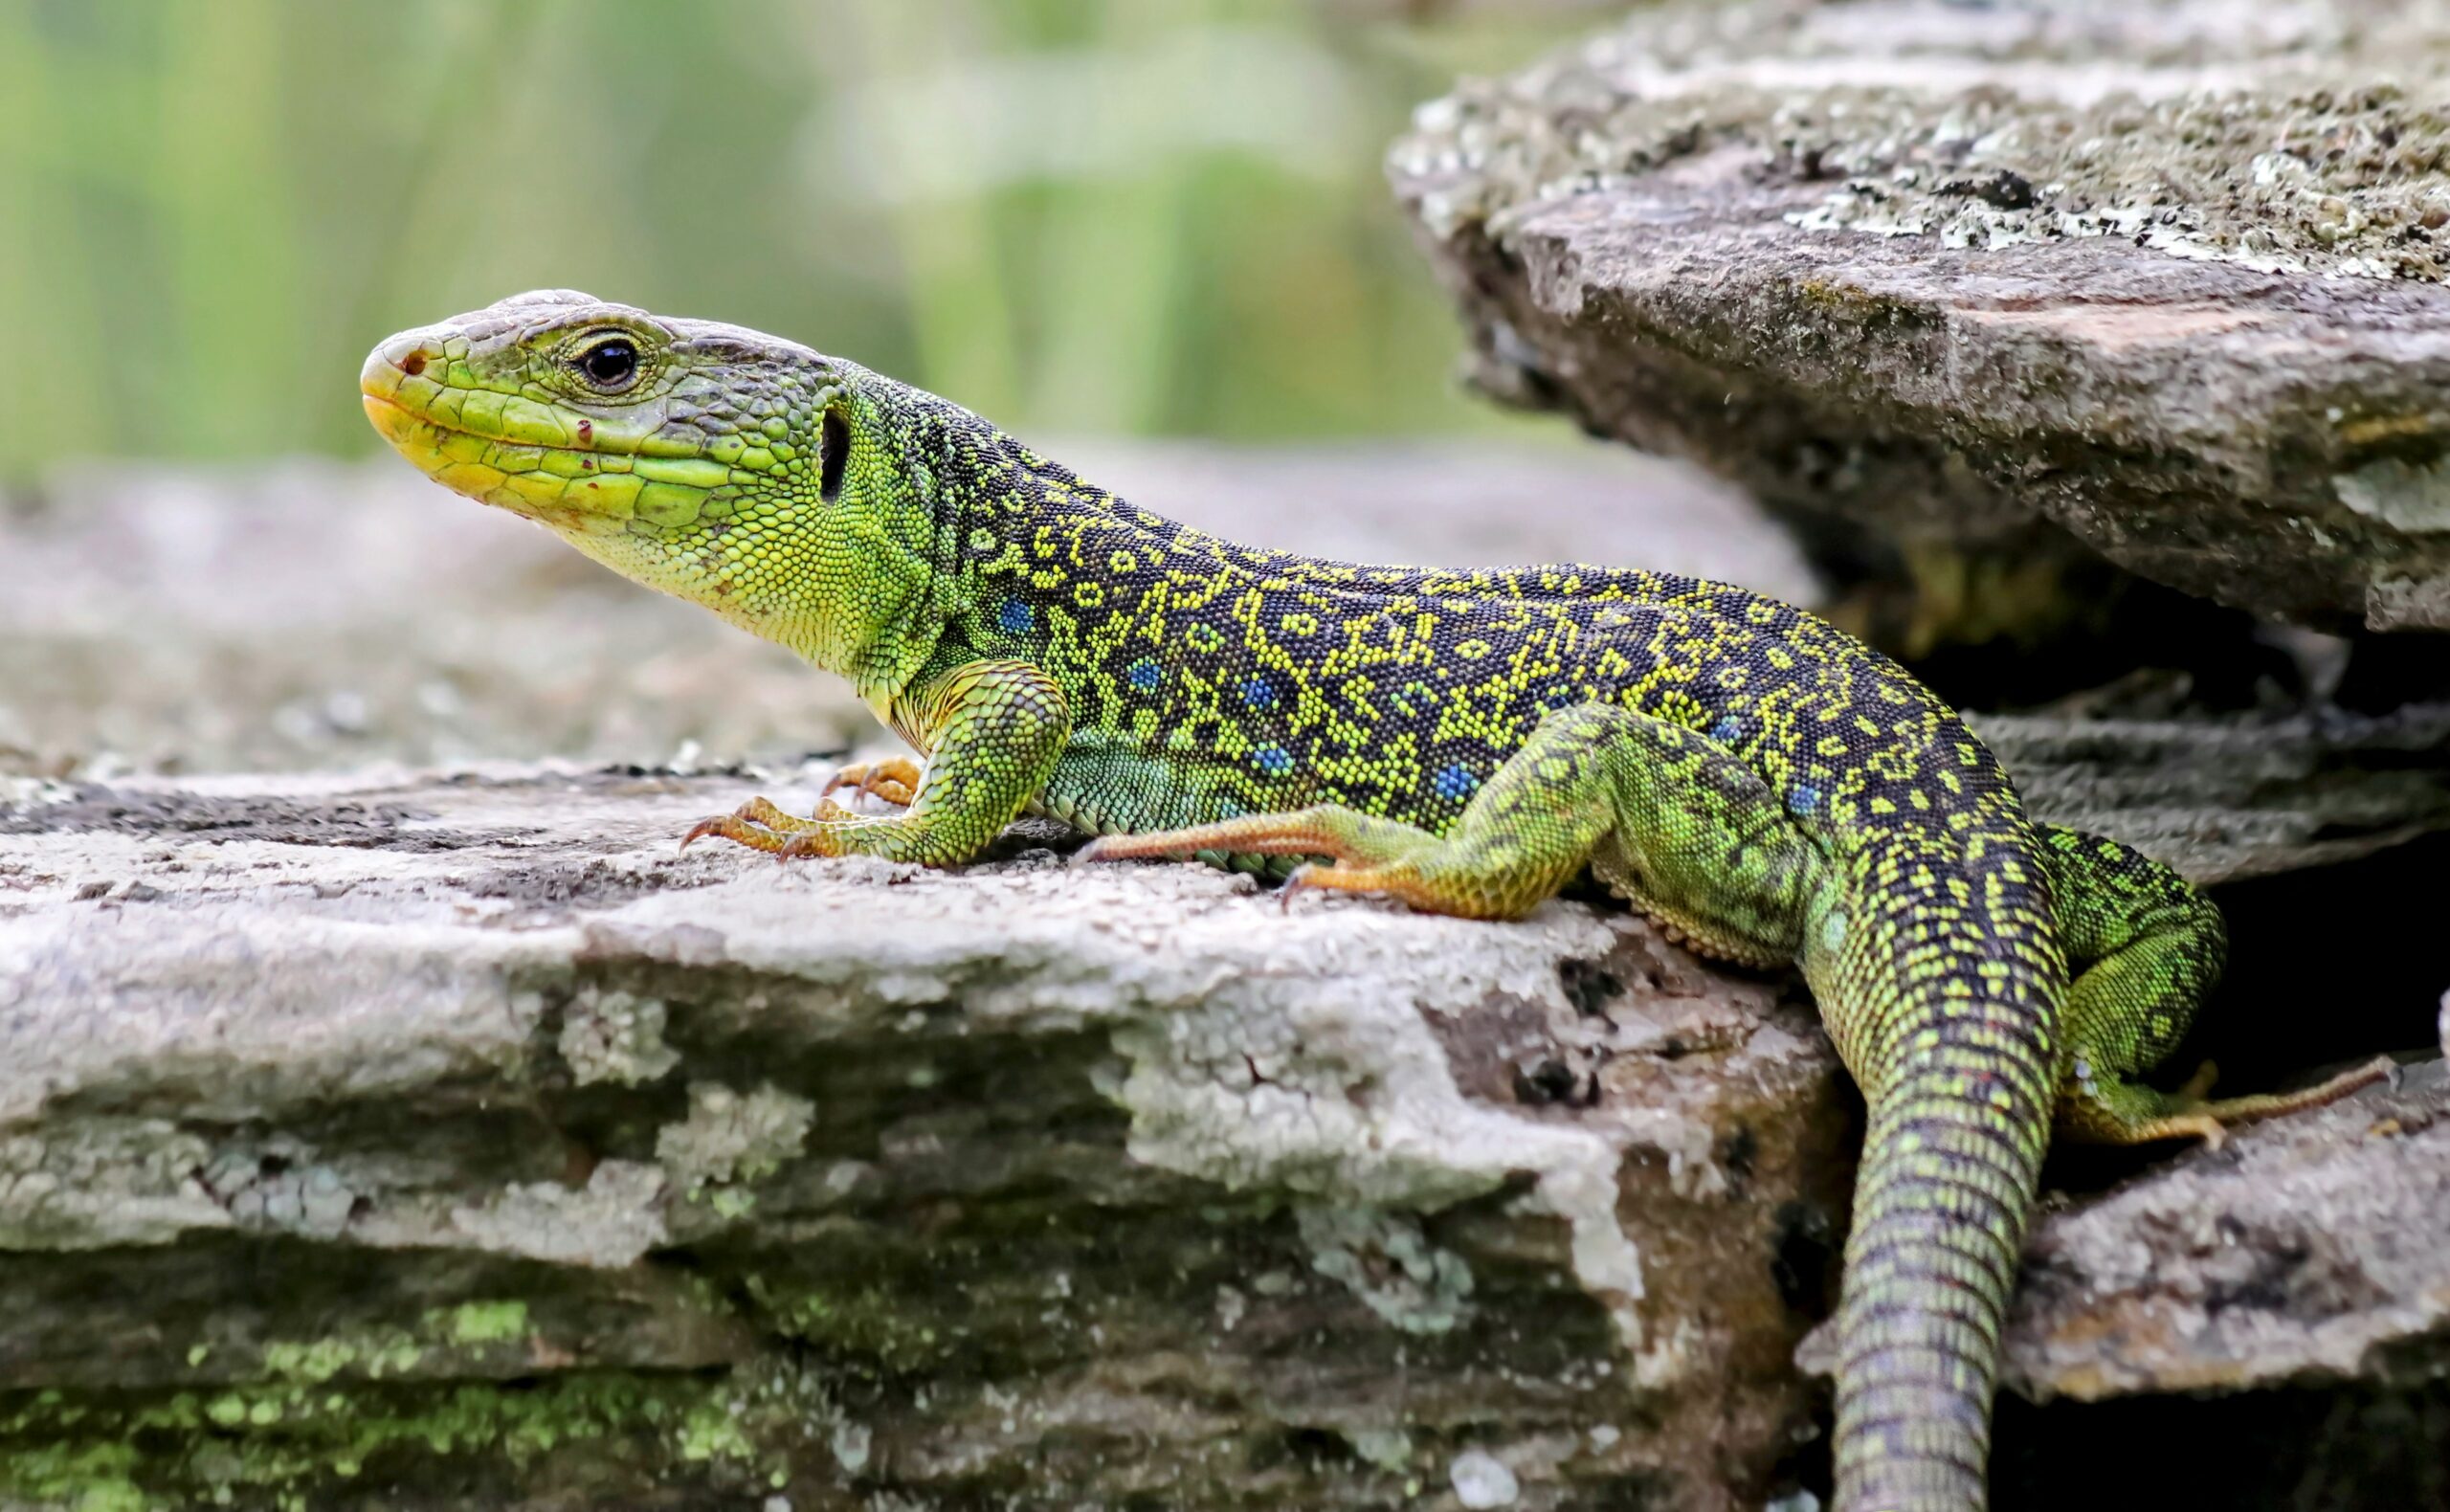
<point>1467,742</point>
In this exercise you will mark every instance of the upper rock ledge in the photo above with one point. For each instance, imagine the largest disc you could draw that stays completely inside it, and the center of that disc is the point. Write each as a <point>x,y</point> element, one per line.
<point>2167,276</point>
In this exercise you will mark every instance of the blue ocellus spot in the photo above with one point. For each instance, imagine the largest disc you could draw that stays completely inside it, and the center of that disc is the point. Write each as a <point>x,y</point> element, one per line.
<point>1727,731</point>
<point>1802,798</point>
<point>1144,675</point>
<point>1454,782</point>
<point>1274,759</point>
<point>1016,617</point>
<point>1259,693</point>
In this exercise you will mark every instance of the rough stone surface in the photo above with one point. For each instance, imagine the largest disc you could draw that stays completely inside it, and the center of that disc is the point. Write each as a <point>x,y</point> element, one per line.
<point>389,1138</point>
<point>2310,1251</point>
<point>457,1136</point>
<point>2224,798</point>
<point>2310,1259</point>
<point>376,1142</point>
<point>2165,278</point>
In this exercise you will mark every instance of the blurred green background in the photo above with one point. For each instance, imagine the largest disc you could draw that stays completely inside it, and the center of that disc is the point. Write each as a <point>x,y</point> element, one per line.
<point>1128,216</point>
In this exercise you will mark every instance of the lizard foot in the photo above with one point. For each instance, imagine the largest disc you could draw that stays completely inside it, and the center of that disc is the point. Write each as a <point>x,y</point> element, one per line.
<point>1338,877</point>
<point>761,826</point>
<point>1305,831</point>
<point>2273,1104</point>
<point>2187,1114</point>
<point>1346,851</point>
<point>894,779</point>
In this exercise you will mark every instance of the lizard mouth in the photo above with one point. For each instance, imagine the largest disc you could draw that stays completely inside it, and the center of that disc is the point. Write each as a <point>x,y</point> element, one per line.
<point>579,490</point>
<point>478,471</point>
<point>412,430</point>
<point>397,423</point>
<point>561,486</point>
<point>403,399</point>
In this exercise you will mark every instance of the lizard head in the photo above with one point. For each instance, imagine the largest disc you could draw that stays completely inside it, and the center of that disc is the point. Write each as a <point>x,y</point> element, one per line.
<point>694,458</point>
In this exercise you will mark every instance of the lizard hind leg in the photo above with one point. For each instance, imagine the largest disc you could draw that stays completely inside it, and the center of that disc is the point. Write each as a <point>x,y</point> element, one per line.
<point>1701,931</point>
<point>1668,817</point>
<point>2149,948</point>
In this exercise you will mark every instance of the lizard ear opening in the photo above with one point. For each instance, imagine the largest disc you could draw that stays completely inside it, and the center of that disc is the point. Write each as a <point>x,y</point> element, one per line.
<point>832,449</point>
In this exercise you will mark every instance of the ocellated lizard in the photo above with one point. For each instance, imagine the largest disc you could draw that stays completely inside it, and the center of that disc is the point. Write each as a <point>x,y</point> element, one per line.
<point>1465,740</point>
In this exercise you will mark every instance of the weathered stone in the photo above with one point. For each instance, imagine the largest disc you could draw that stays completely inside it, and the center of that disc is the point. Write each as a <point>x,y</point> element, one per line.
<point>2309,1260</point>
<point>2227,797</point>
<point>2163,278</point>
<point>2310,1251</point>
<point>373,1140</point>
<point>367,1142</point>
<point>2306,1260</point>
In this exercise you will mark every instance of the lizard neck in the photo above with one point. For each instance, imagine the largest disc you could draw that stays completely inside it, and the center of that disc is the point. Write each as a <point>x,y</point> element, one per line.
<point>883,588</point>
<point>974,513</point>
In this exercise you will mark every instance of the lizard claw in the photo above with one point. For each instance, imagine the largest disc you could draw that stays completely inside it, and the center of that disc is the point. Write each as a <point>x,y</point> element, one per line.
<point>801,847</point>
<point>894,779</point>
<point>761,826</point>
<point>816,838</point>
<point>756,824</point>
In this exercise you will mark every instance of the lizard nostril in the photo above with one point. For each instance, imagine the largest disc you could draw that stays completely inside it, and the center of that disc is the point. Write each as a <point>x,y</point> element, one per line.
<point>413,364</point>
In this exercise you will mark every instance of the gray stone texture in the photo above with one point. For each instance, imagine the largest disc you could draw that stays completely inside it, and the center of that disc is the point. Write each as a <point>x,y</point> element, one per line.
<point>368,1138</point>
<point>1955,287</point>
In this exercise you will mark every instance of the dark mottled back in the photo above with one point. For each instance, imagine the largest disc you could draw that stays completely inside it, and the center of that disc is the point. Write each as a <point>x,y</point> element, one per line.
<point>1268,680</point>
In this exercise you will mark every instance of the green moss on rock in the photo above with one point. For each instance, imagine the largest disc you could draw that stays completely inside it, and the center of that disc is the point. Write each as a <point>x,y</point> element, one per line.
<point>277,1443</point>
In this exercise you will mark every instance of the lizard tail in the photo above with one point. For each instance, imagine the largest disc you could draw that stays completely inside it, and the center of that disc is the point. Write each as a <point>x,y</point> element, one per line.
<point>1946,1014</point>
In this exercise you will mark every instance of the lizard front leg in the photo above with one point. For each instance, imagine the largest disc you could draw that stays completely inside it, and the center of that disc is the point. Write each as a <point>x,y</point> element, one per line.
<point>1668,817</point>
<point>2147,948</point>
<point>994,729</point>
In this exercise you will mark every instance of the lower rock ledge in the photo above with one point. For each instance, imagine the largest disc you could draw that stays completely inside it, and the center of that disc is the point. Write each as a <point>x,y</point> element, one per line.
<point>452,1141</point>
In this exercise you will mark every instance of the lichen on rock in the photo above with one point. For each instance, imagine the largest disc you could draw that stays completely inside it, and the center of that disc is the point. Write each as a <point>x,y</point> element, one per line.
<point>1383,1258</point>
<point>2022,290</point>
<point>733,1137</point>
<point>612,1035</point>
<point>2316,144</point>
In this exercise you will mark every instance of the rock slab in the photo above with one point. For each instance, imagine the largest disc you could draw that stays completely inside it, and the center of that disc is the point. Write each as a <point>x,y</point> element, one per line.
<point>2162,279</point>
<point>377,1141</point>
<point>456,1139</point>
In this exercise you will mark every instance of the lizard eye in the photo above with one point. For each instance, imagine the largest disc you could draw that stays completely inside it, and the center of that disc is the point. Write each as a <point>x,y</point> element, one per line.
<point>610,364</point>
